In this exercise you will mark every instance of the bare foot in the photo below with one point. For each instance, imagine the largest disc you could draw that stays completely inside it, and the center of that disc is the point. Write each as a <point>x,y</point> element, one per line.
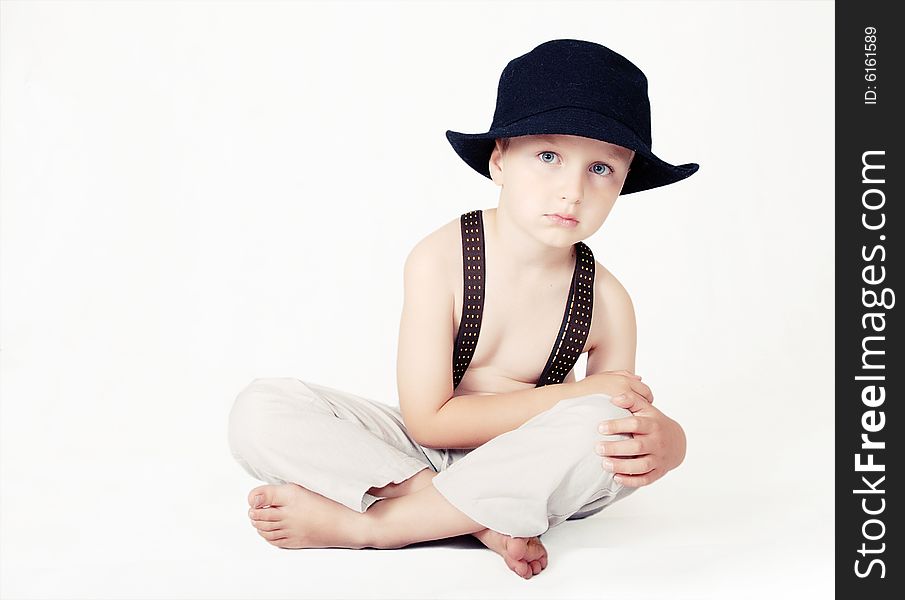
<point>526,556</point>
<point>290,516</point>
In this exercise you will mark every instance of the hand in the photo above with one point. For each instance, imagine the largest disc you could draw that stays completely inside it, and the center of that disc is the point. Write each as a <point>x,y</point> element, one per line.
<point>615,383</point>
<point>657,444</point>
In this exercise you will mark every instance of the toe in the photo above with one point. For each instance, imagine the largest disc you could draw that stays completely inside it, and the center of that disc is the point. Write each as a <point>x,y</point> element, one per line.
<point>520,567</point>
<point>265,514</point>
<point>267,525</point>
<point>273,495</point>
<point>271,536</point>
<point>535,550</point>
<point>283,495</point>
<point>262,491</point>
<point>516,548</point>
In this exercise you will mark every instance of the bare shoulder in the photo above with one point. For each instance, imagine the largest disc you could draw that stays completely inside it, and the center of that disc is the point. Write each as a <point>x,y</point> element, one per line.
<point>438,247</point>
<point>609,289</point>
<point>613,335</point>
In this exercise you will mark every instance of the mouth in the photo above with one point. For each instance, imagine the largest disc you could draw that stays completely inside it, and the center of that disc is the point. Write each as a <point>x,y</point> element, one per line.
<point>563,217</point>
<point>562,220</point>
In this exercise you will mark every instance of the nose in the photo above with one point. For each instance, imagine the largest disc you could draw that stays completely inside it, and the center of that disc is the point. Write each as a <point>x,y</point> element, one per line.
<point>572,186</point>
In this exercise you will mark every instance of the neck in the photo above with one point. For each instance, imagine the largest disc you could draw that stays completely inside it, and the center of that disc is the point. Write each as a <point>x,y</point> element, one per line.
<point>520,253</point>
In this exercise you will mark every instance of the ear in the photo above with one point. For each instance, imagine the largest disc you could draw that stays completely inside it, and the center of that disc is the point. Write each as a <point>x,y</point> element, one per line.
<point>495,164</point>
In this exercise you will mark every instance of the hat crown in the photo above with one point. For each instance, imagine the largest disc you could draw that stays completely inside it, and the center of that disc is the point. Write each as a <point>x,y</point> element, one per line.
<point>576,74</point>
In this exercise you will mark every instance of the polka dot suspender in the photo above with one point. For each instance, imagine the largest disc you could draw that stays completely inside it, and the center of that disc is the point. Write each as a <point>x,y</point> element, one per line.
<point>576,323</point>
<point>472,224</point>
<point>576,320</point>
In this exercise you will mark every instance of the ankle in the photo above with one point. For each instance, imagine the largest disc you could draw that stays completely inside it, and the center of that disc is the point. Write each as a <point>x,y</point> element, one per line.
<point>370,534</point>
<point>416,482</point>
<point>363,533</point>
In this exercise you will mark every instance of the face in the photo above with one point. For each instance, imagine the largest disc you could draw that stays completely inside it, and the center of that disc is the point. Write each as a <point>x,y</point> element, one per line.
<point>570,175</point>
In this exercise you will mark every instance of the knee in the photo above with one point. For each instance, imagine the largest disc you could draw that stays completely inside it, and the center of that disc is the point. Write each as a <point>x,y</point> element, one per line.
<point>258,409</point>
<point>578,434</point>
<point>602,405</point>
<point>245,418</point>
<point>577,420</point>
<point>600,409</point>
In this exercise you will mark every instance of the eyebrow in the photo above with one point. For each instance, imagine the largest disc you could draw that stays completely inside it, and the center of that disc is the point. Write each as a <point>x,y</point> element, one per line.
<point>551,140</point>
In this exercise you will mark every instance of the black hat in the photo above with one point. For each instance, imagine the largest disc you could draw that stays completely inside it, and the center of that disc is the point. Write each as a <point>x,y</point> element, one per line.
<point>574,87</point>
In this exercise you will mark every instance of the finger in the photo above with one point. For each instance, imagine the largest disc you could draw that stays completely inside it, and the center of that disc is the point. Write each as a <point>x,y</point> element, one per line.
<point>628,373</point>
<point>629,466</point>
<point>630,448</point>
<point>643,390</point>
<point>639,480</point>
<point>630,401</point>
<point>633,425</point>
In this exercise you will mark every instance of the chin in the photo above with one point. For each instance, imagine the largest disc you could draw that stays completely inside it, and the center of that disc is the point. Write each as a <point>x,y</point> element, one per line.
<point>562,241</point>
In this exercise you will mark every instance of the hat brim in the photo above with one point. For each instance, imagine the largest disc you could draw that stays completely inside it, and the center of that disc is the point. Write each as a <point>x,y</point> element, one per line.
<point>647,171</point>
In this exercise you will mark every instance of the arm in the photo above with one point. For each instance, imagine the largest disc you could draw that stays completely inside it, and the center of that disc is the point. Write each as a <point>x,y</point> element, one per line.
<point>433,417</point>
<point>471,421</point>
<point>658,442</point>
<point>614,317</point>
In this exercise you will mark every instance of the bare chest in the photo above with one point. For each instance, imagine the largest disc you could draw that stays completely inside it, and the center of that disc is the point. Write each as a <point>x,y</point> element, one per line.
<point>519,328</point>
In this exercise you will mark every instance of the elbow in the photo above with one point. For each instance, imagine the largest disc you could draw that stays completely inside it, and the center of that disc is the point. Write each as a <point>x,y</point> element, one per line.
<point>429,443</point>
<point>419,434</point>
<point>425,439</point>
<point>430,436</point>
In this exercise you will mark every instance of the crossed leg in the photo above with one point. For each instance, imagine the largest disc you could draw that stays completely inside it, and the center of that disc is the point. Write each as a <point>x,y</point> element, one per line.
<point>525,556</point>
<point>291,516</point>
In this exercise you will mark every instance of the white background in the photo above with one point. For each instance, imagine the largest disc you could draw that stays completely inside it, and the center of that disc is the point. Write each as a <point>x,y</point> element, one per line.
<point>196,194</point>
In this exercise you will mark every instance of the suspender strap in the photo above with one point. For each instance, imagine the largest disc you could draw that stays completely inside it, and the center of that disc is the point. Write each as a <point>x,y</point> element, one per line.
<point>472,225</point>
<point>576,321</point>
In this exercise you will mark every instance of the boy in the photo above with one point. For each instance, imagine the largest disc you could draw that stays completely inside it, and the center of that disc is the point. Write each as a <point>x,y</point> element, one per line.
<point>502,445</point>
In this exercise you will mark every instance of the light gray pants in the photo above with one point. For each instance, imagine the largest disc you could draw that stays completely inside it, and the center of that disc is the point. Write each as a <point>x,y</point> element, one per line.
<point>340,445</point>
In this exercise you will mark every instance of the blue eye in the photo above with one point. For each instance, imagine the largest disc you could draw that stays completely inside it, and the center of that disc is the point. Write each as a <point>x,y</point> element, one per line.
<point>604,169</point>
<point>607,167</point>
